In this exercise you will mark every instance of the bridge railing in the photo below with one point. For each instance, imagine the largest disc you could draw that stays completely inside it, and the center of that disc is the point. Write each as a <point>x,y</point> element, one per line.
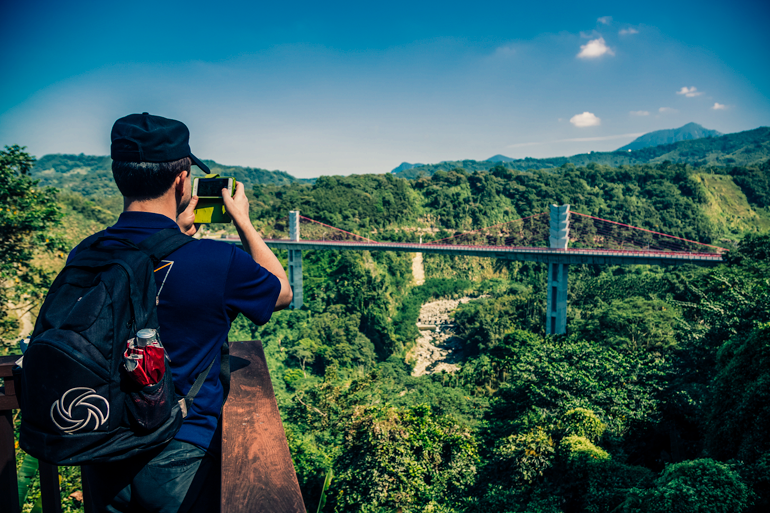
<point>257,469</point>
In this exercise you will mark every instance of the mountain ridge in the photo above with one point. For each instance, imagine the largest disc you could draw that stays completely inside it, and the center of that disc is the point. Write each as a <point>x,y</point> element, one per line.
<point>687,132</point>
<point>745,148</point>
<point>92,174</point>
<point>404,166</point>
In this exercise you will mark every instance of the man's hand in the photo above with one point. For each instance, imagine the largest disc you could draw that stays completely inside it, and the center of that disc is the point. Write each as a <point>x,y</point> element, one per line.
<point>238,208</point>
<point>186,219</point>
<point>237,205</point>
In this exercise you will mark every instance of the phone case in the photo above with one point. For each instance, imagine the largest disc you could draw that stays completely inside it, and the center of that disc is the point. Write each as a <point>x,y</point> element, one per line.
<point>212,210</point>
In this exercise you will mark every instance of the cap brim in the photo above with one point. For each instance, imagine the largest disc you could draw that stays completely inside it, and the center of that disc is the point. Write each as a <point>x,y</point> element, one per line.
<point>200,164</point>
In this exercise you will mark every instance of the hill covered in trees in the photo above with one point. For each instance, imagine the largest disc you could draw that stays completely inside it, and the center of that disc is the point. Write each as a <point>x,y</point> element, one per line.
<point>91,175</point>
<point>653,401</point>
<point>687,132</point>
<point>740,149</point>
<point>626,412</point>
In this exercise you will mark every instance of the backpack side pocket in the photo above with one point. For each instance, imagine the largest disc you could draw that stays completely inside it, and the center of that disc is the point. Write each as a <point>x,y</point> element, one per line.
<point>150,406</point>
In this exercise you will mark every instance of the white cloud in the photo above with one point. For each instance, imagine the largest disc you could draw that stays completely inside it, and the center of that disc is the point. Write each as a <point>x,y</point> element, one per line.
<point>639,113</point>
<point>719,106</point>
<point>689,92</point>
<point>594,48</point>
<point>605,20</point>
<point>628,31</point>
<point>584,120</point>
<point>667,110</point>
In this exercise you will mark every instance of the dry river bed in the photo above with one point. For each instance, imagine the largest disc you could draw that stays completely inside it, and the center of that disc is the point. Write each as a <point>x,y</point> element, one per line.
<point>438,349</point>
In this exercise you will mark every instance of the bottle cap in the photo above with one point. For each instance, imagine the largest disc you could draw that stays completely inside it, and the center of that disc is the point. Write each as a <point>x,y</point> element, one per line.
<point>144,336</point>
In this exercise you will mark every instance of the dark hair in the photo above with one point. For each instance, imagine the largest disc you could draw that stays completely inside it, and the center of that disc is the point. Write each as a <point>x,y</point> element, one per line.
<point>147,180</point>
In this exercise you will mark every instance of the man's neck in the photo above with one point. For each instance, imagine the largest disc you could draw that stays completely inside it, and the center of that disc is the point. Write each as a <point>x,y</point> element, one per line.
<point>164,205</point>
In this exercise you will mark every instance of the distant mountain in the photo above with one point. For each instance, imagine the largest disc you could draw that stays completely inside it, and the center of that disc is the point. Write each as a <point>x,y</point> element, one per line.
<point>500,158</point>
<point>252,175</point>
<point>740,149</point>
<point>91,175</point>
<point>688,132</point>
<point>404,166</point>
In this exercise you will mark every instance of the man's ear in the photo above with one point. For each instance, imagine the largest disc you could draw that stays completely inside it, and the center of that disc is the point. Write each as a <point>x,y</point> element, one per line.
<point>180,179</point>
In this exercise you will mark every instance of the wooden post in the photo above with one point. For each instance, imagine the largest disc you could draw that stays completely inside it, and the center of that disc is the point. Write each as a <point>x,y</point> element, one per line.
<point>9,487</point>
<point>257,469</point>
<point>49,487</point>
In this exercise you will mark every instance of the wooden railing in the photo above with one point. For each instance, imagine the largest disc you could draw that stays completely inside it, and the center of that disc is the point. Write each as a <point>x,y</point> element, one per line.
<point>257,470</point>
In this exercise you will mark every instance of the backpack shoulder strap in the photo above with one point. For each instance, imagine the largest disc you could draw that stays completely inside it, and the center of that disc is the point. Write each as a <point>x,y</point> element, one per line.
<point>161,244</point>
<point>88,241</point>
<point>186,402</point>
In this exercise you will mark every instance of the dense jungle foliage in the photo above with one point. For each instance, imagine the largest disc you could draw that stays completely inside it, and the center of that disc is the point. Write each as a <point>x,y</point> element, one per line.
<point>655,400</point>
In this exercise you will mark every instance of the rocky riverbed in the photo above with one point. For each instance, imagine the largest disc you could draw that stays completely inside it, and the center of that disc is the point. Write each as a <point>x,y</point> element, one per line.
<point>438,349</point>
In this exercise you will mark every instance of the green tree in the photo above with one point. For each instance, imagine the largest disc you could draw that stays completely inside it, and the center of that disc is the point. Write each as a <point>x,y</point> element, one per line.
<point>631,324</point>
<point>403,458</point>
<point>304,350</point>
<point>693,486</point>
<point>27,215</point>
<point>739,413</point>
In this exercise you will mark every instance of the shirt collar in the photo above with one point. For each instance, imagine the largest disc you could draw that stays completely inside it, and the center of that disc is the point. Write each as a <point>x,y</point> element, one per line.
<point>145,220</point>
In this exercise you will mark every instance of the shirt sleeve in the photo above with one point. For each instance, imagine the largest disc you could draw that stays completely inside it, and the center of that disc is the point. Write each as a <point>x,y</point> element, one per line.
<point>250,288</point>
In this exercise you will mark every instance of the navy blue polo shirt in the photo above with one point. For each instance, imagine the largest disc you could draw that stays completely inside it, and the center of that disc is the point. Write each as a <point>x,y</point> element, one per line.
<point>202,287</point>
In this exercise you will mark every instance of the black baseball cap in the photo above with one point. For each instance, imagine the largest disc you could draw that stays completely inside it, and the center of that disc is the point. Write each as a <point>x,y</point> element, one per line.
<point>146,138</point>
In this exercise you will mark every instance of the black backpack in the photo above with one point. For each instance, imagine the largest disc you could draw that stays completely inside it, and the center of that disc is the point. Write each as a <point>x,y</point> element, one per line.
<point>78,405</point>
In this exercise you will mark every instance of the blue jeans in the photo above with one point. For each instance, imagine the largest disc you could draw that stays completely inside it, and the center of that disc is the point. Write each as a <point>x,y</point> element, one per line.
<point>180,477</point>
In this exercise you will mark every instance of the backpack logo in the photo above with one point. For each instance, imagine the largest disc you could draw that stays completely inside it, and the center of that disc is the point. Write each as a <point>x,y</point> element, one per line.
<point>78,409</point>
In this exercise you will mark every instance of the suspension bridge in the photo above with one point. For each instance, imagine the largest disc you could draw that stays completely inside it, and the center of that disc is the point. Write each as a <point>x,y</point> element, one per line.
<point>544,237</point>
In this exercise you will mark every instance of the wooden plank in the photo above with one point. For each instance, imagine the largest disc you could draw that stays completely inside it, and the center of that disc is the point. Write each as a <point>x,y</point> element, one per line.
<point>6,364</point>
<point>257,469</point>
<point>8,399</point>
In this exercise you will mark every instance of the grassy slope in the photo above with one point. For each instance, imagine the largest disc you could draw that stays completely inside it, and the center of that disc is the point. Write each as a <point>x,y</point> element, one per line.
<point>728,208</point>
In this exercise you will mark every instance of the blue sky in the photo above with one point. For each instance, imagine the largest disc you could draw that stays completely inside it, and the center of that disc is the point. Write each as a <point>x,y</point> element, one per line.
<point>318,88</point>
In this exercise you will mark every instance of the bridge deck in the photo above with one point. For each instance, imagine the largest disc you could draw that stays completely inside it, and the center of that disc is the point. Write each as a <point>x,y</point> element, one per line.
<point>546,255</point>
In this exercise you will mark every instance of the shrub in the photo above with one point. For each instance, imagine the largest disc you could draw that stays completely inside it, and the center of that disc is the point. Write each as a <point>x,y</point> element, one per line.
<point>693,486</point>
<point>583,422</point>
<point>740,408</point>
<point>403,458</point>
<point>524,456</point>
<point>579,449</point>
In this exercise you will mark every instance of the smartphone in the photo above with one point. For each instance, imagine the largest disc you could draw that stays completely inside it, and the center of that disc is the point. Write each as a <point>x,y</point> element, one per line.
<point>212,187</point>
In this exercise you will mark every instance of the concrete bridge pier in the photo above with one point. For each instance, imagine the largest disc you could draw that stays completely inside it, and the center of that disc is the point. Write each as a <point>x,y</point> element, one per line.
<point>556,308</point>
<point>295,261</point>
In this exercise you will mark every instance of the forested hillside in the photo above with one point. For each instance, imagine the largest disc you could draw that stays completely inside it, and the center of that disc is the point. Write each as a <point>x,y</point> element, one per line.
<point>625,412</point>
<point>654,401</point>
<point>741,149</point>
<point>92,175</point>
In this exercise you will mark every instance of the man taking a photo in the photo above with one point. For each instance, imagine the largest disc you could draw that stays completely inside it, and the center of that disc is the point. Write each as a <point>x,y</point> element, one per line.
<point>202,287</point>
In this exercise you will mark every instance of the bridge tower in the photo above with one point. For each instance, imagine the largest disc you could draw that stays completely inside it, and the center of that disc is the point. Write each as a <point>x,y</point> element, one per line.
<point>295,261</point>
<point>556,317</point>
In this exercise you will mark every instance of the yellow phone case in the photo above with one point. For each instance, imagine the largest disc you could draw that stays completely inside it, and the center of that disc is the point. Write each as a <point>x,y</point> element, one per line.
<point>211,210</point>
